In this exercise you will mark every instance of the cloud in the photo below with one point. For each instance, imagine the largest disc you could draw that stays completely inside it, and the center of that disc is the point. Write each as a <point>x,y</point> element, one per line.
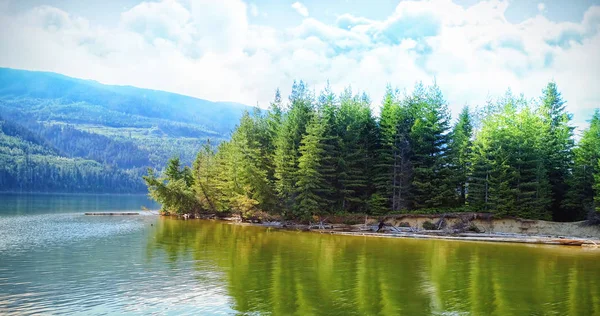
<point>167,20</point>
<point>541,7</point>
<point>300,8</point>
<point>253,9</point>
<point>208,49</point>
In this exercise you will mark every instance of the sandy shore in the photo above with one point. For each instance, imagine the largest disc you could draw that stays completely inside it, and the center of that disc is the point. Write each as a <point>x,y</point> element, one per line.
<point>466,226</point>
<point>450,226</point>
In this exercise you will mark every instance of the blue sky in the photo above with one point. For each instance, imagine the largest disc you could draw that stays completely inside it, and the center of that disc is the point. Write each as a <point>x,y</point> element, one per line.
<point>241,51</point>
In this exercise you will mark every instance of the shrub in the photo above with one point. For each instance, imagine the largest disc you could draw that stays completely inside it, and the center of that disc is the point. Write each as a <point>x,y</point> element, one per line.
<point>427,225</point>
<point>473,228</point>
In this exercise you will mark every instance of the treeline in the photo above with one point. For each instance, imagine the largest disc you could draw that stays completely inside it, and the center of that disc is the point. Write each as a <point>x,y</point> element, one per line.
<point>28,162</point>
<point>330,154</point>
<point>109,137</point>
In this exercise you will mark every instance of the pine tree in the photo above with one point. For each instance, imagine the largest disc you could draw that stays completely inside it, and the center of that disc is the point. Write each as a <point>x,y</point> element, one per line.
<point>253,166</point>
<point>356,126</point>
<point>432,183</point>
<point>205,175</point>
<point>387,155</point>
<point>597,187</point>
<point>287,144</point>
<point>533,187</point>
<point>559,147</point>
<point>174,191</point>
<point>460,153</point>
<point>273,124</point>
<point>581,193</point>
<point>481,167</point>
<point>508,172</point>
<point>328,110</point>
<point>311,187</point>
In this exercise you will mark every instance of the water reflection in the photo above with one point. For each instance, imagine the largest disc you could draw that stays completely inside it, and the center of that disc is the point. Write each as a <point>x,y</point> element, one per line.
<point>284,273</point>
<point>13,204</point>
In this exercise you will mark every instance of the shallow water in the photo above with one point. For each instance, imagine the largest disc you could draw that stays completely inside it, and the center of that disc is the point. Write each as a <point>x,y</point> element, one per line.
<point>54,260</point>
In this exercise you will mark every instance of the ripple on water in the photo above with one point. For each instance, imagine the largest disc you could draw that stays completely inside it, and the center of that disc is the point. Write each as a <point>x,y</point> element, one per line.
<point>21,233</point>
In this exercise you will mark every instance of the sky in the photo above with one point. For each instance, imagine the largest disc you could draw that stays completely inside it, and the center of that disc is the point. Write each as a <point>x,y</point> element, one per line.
<point>241,51</point>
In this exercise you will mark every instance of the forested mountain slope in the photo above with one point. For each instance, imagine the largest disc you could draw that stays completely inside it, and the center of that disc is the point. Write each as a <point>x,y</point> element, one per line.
<point>116,129</point>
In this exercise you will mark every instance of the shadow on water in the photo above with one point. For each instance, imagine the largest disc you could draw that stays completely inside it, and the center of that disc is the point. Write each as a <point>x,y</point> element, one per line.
<point>267,271</point>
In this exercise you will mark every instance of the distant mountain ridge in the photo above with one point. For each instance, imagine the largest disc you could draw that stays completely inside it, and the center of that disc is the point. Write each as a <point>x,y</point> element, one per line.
<point>218,116</point>
<point>119,129</point>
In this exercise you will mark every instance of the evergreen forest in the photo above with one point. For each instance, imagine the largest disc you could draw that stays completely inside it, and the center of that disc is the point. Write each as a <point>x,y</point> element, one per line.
<point>314,155</point>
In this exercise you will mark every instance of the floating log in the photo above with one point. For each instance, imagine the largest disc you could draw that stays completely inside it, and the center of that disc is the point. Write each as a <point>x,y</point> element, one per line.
<point>112,213</point>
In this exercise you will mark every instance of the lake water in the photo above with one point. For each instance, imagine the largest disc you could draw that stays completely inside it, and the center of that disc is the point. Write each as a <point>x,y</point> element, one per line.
<point>55,260</point>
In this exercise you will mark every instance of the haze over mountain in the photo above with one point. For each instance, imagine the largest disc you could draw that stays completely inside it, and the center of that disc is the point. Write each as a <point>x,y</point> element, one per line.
<point>76,130</point>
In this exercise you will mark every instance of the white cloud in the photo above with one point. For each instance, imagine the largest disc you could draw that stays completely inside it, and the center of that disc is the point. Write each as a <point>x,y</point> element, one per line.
<point>208,49</point>
<point>300,8</point>
<point>253,9</point>
<point>541,7</point>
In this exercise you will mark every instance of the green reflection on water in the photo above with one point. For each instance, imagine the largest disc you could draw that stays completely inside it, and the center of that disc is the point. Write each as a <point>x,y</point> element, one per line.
<point>12,204</point>
<point>284,273</point>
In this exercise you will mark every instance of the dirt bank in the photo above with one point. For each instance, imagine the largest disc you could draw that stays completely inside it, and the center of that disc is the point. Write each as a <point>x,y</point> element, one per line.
<point>483,223</point>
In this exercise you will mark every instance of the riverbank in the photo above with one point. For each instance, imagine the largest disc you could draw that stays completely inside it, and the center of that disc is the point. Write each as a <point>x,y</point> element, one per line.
<point>451,226</point>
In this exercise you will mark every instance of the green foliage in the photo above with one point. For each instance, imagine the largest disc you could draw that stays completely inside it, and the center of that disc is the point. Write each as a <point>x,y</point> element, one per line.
<point>93,132</point>
<point>432,182</point>
<point>287,144</point>
<point>597,188</point>
<point>581,181</point>
<point>174,190</point>
<point>559,145</point>
<point>311,186</point>
<point>393,165</point>
<point>331,156</point>
<point>509,176</point>
<point>356,131</point>
<point>460,154</point>
<point>29,163</point>
<point>427,225</point>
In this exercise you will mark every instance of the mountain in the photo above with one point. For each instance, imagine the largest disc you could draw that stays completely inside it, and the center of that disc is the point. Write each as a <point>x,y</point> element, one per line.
<point>120,130</point>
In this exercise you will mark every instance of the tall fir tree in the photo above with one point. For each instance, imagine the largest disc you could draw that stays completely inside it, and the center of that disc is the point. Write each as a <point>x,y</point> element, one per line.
<point>432,183</point>
<point>206,178</point>
<point>559,147</point>
<point>386,181</point>
<point>355,125</point>
<point>581,192</point>
<point>248,140</point>
<point>481,168</point>
<point>311,187</point>
<point>508,172</point>
<point>287,144</point>
<point>597,187</point>
<point>460,154</point>
<point>273,123</point>
<point>328,109</point>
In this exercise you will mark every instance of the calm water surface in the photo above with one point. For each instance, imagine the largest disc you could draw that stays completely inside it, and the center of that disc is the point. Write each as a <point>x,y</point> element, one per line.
<point>54,260</point>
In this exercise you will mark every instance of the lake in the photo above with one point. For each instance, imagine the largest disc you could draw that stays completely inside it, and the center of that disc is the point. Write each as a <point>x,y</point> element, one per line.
<point>55,260</point>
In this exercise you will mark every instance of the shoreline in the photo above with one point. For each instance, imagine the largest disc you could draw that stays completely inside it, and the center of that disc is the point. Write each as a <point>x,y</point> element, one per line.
<point>540,240</point>
<point>504,230</point>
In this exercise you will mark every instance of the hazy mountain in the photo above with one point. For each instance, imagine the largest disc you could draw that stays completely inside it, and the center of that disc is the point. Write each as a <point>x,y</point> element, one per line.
<point>122,128</point>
